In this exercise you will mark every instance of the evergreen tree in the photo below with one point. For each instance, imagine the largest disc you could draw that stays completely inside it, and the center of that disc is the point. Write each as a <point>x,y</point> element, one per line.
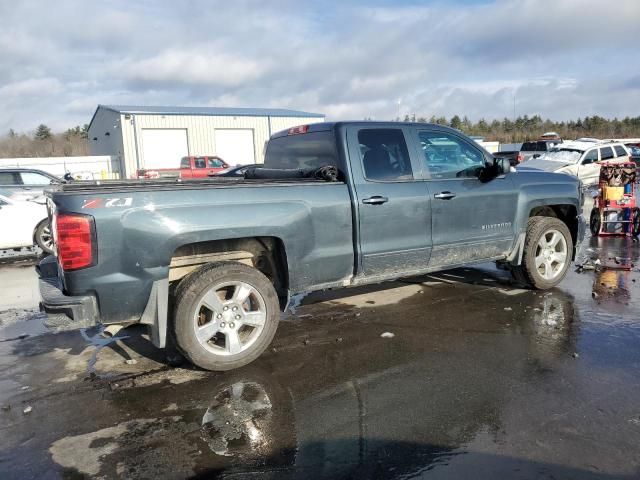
<point>42,132</point>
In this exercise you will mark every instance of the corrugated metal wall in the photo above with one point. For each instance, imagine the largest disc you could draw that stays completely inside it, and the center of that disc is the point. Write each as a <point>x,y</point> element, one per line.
<point>200,132</point>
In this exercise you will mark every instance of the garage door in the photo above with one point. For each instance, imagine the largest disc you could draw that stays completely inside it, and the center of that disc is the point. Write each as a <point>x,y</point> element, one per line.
<point>163,148</point>
<point>235,146</point>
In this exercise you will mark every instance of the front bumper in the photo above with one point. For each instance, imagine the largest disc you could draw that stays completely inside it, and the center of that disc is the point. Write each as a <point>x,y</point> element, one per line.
<point>64,312</point>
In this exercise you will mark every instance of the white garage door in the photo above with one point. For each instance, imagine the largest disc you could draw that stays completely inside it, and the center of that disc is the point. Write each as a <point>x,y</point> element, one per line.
<point>235,146</point>
<point>163,148</point>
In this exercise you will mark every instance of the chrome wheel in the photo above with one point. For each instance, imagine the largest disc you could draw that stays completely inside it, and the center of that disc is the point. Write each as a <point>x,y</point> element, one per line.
<point>229,318</point>
<point>551,254</point>
<point>46,238</point>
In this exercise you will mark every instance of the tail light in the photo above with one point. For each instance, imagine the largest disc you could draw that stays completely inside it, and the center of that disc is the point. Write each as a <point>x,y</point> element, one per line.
<point>74,237</point>
<point>520,157</point>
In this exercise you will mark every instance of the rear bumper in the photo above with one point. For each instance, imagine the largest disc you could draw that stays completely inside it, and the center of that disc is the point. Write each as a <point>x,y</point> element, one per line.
<point>64,312</point>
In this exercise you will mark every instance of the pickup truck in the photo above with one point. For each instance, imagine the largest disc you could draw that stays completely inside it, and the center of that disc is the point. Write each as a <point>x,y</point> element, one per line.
<point>528,150</point>
<point>190,167</point>
<point>213,262</point>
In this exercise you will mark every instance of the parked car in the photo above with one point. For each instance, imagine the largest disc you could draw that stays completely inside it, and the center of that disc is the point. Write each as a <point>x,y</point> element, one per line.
<point>529,150</point>
<point>190,167</point>
<point>580,159</point>
<point>228,254</point>
<point>24,223</point>
<point>238,170</point>
<point>25,183</point>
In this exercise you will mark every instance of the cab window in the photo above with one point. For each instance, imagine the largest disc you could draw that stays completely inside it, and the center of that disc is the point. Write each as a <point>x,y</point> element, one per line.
<point>199,162</point>
<point>215,163</point>
<point>384,155</point>
<point>590,157</point>
<point>448,156</point>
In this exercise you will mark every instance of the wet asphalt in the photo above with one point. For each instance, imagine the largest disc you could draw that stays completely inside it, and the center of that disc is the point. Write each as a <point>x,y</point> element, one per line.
<point>479,379</point>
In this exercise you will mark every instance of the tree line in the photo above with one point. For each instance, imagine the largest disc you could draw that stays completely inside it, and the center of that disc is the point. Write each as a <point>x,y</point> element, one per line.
<point>525,128</point>
<point>42,142</point>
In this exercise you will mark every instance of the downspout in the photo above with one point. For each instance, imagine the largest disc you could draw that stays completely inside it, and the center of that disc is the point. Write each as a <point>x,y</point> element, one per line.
<point>135,142</point>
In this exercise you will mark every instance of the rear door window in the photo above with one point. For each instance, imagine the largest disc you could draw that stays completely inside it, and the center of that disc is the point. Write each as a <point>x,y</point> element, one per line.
<point>9,178</point>
<point>200,162</point>
<point>384,153</point>
<point>306,150</point>
<point>620,151</point>
<point>606,153</point>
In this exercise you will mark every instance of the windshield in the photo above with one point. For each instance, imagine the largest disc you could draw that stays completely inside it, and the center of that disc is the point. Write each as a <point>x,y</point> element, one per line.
<point>567,155</point>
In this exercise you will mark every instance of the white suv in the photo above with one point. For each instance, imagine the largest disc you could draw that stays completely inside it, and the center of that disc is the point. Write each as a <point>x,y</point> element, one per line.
<point>579,158</point>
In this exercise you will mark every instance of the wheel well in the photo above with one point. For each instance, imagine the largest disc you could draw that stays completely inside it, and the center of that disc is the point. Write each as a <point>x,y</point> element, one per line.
<point>35,229</point>
<point>266,254</point>
<point>567,213</point>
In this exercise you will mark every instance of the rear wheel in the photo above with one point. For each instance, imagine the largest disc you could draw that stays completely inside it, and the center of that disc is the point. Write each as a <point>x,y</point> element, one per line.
<point>594,222</point>
<point>547,255</point>
<point>226,315</point>
<point>43,236</point>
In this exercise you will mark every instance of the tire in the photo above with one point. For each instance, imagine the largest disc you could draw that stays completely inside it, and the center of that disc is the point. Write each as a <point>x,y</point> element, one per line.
<point>543,267</point>
<point>635,222</point>
<point>43,236</point>
<point>594,222</point>
<point>226,315</point>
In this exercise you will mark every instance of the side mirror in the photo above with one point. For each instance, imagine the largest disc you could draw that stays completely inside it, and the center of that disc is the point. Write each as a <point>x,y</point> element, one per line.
<point>503,166</point>
<point>491,170</point>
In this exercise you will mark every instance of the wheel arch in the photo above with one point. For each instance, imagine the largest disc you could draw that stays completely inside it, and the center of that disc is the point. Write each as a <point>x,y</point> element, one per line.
<point>565,212</point>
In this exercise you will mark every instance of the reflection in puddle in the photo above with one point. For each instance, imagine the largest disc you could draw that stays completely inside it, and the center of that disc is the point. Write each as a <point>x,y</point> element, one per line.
<point>234,421</point>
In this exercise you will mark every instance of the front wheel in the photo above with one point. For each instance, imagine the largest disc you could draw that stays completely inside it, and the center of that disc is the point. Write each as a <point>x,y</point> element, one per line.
<point>635,222</point>
<point>226,315</point>
<point>594,222</point>
<point>43,236</point>
<point>548,249</point>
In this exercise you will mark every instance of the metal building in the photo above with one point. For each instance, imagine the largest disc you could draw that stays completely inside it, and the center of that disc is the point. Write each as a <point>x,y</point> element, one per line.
<point>158,137</point>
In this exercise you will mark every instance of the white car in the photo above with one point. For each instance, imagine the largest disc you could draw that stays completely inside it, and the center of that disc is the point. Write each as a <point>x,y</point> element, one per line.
<point>24,223</point>
<point>579,158</point>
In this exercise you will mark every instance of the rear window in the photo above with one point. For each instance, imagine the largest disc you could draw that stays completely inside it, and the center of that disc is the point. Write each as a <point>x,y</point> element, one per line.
<point>307,150</point>
<point>606,153</point>
<point>185,163</point>
<point>620,151</point>
<point>528,147</point>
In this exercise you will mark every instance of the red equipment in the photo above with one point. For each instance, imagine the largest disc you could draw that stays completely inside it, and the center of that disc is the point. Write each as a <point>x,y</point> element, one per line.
<point>616,209</point>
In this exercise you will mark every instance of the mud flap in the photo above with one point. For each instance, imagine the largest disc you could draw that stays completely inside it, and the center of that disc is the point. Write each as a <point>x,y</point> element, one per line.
<point>155,313</point>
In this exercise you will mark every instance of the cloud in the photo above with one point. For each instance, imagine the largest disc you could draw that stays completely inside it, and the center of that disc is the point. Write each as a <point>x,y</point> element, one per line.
<point>561,59</point>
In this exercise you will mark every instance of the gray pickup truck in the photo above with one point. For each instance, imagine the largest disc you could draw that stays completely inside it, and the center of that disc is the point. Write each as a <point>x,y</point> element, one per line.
<point>213,262</point>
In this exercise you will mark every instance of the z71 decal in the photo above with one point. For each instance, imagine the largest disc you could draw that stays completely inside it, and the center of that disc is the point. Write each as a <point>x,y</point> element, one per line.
<point>107,202</point>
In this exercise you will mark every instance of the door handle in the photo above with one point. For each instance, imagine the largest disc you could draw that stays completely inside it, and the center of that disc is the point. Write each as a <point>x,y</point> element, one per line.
<point>375,200</point>
<point>444,195</point>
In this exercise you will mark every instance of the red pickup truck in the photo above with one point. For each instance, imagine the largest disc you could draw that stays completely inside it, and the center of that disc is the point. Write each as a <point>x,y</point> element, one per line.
<point>190,167</point>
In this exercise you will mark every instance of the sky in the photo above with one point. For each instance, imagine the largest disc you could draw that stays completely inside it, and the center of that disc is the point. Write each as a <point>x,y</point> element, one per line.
<point>378,59</point>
